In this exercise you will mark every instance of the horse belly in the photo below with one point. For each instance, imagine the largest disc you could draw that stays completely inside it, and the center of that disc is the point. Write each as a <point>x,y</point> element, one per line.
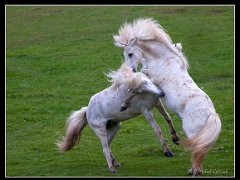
<point>109,108</point>
<point>122,116</point>
<point>139,102</point>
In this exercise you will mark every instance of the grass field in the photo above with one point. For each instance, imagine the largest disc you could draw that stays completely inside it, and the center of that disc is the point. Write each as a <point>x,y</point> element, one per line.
<point>56,57</point>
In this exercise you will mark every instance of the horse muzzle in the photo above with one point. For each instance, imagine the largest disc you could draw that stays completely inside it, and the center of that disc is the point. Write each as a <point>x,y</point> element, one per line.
<point>161,94</point>
<point>123,108</point>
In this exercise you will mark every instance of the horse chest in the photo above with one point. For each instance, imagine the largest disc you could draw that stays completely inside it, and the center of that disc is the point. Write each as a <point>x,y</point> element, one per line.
<point>178,94</point>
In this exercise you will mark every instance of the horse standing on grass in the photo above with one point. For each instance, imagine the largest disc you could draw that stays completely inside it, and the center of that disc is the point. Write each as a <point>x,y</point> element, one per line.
<point>103,112</point>
<point>145,41</point>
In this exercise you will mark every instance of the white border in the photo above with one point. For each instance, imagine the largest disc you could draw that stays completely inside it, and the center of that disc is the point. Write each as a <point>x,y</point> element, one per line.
<point>97,5</point>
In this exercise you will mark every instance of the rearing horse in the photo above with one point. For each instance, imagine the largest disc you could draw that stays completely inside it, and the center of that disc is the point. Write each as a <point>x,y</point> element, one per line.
<point>145,41</point>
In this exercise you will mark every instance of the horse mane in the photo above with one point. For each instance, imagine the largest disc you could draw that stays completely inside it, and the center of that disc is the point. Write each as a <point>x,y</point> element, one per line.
<point>145,29</point>
<point>124,75</point>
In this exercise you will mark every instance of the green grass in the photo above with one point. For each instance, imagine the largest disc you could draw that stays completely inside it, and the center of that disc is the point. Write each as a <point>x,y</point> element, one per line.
<point>56,57</point>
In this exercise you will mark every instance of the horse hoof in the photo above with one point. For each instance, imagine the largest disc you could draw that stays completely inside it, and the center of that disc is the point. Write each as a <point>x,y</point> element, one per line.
<point>123,108</point>
<point>116,164</point>
<point>168,154</point>
<point>175,140</point>
<point>194,172</point>
<point>113,170</point>
<point>190,171</point>
<point>197,172</point>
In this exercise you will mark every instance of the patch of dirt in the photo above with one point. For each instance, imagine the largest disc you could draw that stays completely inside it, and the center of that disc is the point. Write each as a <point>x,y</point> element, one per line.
<point>216,11</point>
<point>170,10</point>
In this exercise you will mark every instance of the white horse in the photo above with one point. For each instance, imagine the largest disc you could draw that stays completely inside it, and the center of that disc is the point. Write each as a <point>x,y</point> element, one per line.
<point>103,112</point>
<point>145,41</point>
<point>127,102</point>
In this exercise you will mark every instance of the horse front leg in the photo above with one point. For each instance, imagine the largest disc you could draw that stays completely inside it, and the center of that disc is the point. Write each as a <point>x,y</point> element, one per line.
<point>162,110</point>
<point>127,103</point>
<point>149,116</point>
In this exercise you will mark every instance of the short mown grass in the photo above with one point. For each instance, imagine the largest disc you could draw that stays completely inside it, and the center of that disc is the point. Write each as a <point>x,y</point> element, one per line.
<point>56,57</point>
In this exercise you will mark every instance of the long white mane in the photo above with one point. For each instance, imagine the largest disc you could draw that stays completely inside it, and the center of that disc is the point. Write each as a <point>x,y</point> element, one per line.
<point>145,29</point>
<point>124,75</point>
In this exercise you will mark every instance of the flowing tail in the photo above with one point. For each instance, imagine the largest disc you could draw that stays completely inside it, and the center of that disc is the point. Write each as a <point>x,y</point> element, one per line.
<point>75,124</point>
<point>206,137</point>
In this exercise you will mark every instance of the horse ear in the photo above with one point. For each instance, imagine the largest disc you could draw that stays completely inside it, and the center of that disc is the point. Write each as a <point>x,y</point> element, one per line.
<point>117,41</point>
<point>179,46</point>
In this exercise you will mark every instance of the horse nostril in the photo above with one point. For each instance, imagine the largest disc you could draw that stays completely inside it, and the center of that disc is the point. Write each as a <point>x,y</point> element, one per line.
<point>123,108</point>
<point>162,94</point>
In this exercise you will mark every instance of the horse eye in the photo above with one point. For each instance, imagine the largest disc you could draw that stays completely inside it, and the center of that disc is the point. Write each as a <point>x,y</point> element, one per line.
<point>130,55</point>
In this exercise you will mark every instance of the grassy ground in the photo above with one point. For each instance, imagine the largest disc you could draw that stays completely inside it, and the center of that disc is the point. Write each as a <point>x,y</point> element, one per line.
<point>55,60</point>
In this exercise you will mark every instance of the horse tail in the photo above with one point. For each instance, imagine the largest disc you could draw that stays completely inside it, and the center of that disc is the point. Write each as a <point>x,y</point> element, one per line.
<point>75,124</point>
<point>206,137</point>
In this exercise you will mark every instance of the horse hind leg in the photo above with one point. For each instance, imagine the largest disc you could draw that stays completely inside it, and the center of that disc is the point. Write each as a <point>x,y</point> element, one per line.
<point>161,109</point>
<point>197,159</point>
<point>112,129</point>
<point>149,116</point>
<point>198,153</point>
<point>101,132</point>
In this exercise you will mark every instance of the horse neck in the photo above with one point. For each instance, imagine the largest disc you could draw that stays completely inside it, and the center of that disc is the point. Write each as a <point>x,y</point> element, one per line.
<point>118,87</point>
<point>162,59</point>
